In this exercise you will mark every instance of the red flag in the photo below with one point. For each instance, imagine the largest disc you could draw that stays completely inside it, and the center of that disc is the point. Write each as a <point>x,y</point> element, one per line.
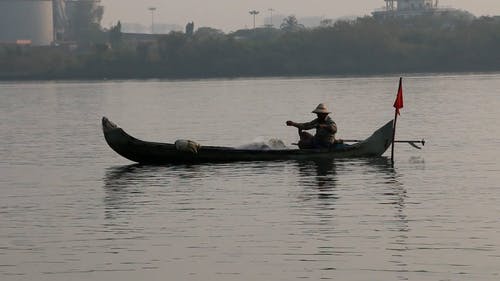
<point>398,104</point>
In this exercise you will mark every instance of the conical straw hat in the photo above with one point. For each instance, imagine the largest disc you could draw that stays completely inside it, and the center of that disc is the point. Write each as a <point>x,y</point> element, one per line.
<point>321,108</point>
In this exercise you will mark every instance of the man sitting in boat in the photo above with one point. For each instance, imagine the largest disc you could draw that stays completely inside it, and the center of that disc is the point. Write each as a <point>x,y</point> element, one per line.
<point>325,130</point>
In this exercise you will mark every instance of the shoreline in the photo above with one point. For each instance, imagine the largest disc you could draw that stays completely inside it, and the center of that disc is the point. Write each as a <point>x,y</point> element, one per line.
<point>244,77</point>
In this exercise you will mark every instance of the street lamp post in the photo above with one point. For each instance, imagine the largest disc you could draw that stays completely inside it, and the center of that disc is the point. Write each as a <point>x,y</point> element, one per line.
<point>152,10</point>
<point>254,13</point>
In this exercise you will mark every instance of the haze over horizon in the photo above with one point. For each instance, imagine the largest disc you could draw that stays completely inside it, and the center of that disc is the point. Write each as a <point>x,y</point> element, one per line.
<point>231,15</point>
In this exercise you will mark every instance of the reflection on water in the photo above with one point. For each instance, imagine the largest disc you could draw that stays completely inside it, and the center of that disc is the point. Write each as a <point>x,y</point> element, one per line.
<point>331,216</point>
<point>321,175</point>
<point>120,191</point>
<point>319,179</point>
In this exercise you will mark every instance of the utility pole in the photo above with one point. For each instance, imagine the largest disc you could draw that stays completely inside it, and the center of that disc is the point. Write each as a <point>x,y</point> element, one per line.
<point>254,13</point>
<point>152,10</point>
<point>271,10</point>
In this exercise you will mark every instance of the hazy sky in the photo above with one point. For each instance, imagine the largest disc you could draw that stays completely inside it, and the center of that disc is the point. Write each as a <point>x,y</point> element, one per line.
<point>233,14</point>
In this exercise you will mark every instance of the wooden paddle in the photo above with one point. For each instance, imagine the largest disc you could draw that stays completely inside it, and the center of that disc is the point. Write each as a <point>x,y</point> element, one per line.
<point>410,142</point>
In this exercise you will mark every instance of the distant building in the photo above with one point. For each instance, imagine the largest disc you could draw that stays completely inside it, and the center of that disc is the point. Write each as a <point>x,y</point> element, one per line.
<point>140,38</point>
<point>411,5</point>
<point>27,22</point>
<point>409,8</point>
<point>159,28</point>
<point>47,22</point>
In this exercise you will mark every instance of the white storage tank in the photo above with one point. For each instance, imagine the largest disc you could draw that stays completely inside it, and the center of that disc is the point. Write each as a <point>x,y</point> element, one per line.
<point>25,21</point>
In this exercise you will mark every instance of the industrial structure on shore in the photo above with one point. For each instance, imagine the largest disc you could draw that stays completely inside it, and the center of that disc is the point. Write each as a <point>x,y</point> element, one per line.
<point>26,22</point>
<point>45,22</point>
<point>409,8</point>
<point>42,22</point>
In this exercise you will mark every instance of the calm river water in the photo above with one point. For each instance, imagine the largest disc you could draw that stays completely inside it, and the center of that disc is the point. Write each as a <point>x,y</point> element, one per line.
<point>72,209</point>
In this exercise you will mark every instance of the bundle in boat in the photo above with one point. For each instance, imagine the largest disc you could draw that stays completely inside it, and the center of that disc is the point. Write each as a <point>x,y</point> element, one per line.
<point>187,146</point>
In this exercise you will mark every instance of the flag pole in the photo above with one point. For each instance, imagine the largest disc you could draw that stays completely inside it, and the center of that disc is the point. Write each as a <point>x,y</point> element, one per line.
<point>398,104</point>
<point>394,135</point>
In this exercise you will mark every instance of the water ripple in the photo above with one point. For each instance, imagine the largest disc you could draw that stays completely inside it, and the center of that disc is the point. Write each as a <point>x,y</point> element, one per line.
<point>71,209</point>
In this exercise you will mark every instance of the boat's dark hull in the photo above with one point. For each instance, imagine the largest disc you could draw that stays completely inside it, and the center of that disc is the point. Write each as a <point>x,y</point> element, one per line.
<point>163,153</point>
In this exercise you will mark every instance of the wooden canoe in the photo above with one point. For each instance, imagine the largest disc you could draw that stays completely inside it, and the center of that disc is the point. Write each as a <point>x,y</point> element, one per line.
<point>146,152</point>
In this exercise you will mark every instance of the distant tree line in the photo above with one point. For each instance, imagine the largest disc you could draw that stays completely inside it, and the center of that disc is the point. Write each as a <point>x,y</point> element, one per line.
<point>352,47</point>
